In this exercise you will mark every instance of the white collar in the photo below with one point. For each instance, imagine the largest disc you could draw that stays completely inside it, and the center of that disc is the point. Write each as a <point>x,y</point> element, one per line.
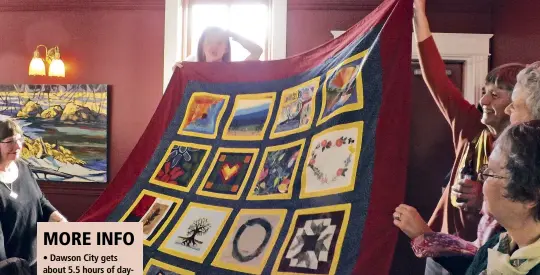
<point>11,173</point>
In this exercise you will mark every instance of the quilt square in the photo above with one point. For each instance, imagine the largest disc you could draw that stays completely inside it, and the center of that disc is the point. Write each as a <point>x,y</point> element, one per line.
<point>228,173</point>
<point>250,240</point>
<point>203,115</point>
<point>314,240</point>
<point>332,161</point>
<point>277,172</point>
<point>250,117</point>
<point>343,90</point>
<point>155,267</point>
<point>196,232</point>
<point>181,165</point>
<point>296,109</point>
<point>155,211</point>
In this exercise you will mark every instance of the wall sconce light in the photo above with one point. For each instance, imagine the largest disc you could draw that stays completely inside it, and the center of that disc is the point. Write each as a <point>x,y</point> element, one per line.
<point>52,56</point>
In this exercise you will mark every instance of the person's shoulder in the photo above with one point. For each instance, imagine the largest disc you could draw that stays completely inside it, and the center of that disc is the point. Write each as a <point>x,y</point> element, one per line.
<point>24,168</point>
<point>476,136</point>
<point>22,164</point>
<point>479,263</point>
<point>494,240</point>
<point>191,58</point>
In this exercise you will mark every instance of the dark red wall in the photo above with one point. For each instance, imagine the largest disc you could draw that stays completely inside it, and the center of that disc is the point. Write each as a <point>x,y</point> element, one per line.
<point>119,43</point>
<point>309,22</point>
<point>516,32</point>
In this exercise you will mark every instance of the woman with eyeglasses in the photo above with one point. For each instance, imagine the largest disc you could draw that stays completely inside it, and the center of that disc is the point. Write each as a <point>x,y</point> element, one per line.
<point>512,195</point>
<point>511,192</point>
<point>22,204</point>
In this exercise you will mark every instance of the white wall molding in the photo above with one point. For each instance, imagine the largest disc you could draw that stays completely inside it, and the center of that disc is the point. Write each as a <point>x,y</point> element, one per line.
<point>471,49</point>
<point>278,29</point>
<point>173,38</point>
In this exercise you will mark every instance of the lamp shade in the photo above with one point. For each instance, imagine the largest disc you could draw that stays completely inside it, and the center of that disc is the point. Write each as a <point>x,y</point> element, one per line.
<point>57,68</point>
<point>37,66</point>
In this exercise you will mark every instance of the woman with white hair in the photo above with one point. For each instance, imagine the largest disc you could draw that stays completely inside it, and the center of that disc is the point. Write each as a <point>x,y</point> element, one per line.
<point>525,104</point>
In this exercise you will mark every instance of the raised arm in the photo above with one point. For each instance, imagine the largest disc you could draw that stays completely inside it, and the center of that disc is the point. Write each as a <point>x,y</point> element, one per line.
<point>462,116</point>
<point>255,51</point>
<point>421,23</point>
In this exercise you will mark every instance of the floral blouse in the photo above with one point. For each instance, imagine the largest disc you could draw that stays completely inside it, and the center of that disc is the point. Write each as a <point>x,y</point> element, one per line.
<point>435,244</point>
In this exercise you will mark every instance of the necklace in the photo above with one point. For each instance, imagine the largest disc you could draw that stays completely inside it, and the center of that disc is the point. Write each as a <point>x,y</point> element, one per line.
<point>11,193</point>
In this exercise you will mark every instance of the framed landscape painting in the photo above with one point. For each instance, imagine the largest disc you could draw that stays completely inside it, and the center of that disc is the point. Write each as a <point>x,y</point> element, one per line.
<point>65,129</point>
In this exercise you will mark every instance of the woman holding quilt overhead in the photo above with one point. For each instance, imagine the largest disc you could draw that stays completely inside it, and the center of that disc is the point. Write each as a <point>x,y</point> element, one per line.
<point>458,211</point>
<point>214,46</point>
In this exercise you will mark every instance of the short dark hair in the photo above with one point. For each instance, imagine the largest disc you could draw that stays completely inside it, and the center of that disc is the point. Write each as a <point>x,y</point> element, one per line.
<point>505,76</point>
<point>200,51</point>
<point>9,128</point>
<point>522,144</point>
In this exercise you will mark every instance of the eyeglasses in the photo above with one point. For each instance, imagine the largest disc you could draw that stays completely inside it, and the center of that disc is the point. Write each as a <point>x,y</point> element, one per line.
<point>13,141</point>
<point>485,173</point>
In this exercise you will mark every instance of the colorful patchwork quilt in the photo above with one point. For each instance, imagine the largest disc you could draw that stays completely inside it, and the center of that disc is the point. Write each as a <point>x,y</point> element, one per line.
<point>291,166</point>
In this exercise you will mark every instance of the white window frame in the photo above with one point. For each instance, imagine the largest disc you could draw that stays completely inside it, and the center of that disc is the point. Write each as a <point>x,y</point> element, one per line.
<point>278,29</point>
<point>172,50</point>
<point>471,49</point>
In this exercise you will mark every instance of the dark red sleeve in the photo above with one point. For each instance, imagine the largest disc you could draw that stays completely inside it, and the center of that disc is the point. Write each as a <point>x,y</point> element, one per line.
<point>463,117</point>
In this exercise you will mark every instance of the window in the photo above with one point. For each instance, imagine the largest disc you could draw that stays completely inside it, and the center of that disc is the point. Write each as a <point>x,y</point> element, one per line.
<point>250,19</point>
<point>241,16</point>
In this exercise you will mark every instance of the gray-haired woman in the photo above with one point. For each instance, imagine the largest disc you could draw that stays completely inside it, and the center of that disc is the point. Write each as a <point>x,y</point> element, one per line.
<point>22,204</point>
<point>512,196</point>
<point>525,104</point>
